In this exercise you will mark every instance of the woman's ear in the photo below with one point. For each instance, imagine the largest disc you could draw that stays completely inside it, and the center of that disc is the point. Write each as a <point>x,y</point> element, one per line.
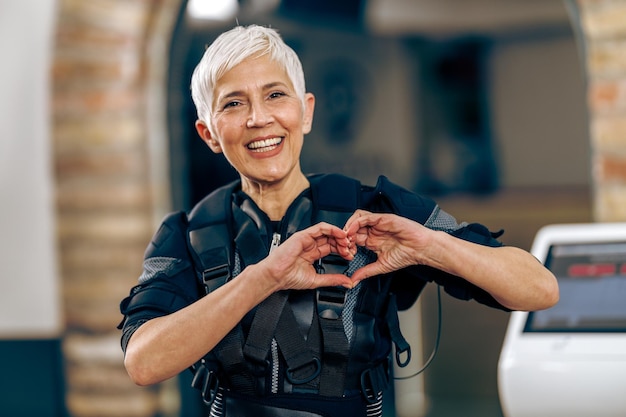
<point>309,108</point>
<point>205,135</point>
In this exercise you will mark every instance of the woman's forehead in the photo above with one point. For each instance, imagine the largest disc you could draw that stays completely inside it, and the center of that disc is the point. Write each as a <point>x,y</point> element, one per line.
<point>258,72</point>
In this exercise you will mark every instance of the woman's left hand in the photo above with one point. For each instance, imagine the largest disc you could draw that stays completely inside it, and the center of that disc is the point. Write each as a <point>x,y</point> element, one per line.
<point>396,240</point>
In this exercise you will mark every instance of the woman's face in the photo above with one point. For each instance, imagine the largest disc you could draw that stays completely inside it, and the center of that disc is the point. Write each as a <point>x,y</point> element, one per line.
<point>258,121</point>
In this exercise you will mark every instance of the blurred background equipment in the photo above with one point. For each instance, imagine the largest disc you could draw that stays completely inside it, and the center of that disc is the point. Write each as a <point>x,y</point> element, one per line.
<point>570,360</point>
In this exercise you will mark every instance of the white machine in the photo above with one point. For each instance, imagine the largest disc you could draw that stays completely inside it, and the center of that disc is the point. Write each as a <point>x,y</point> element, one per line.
<point>570,360</point>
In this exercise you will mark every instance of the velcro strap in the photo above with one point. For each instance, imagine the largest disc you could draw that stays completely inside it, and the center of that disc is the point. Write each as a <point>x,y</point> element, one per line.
<point>335,357</point>
<point>393,322</point>
<point>230,355</point>
<point>263,327</point>
<point>302,364</point>
<point>153,297</point>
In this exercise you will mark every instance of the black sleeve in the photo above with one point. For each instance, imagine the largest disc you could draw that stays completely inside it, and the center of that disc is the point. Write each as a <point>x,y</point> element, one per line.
<point>409,282</point>
<point>168,282</point>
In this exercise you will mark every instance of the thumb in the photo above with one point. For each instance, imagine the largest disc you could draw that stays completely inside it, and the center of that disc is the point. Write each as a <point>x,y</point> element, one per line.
<point>365,272</point>
<point>333,280</point>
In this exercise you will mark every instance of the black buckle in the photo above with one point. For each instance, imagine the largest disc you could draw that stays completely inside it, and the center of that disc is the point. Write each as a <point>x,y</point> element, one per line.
<point>399,360</point>
<point>331,264</point>
<point>367,387</point>
<point>210,388</point>
<point>318,368</point>
<point>216,272</point>
<point>215,277</point>
<point>330,302</point>
<point>374,381</point>
<point>207,382</point>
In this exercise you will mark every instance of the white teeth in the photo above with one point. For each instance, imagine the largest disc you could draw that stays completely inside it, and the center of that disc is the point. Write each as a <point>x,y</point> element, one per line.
<point>266,143</point>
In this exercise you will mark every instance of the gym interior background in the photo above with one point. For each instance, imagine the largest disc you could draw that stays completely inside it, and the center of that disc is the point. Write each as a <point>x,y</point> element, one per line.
<point>508,114</point>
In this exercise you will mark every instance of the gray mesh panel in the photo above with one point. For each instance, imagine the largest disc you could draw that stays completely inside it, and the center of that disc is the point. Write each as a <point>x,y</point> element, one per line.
<point>440,220</point>
<point>154,266</point>
<point>362,258</point>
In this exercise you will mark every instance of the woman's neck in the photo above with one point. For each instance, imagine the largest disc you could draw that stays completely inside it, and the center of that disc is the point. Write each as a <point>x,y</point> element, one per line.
<point>274,199</point>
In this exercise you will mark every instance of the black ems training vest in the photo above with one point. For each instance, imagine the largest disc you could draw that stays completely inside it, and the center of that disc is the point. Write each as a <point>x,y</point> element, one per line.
<point>324,361</point>
<point>328,342</point>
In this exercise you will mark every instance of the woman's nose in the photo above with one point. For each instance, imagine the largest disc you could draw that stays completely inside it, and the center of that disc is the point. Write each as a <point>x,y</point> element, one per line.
<point>259,115</point>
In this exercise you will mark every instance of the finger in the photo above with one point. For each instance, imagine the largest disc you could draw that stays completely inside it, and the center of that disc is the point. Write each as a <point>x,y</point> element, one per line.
<point>366,271</point>
<point>361,223</point>
<point>342,248</point>
<point>322,246</point>
<point>357,213</point>
<point>316,280</point>
<point>355,220</point>
<point>330,231</point>
<point>336,238</point>
<point>347,252</point>
<point>332,280</point>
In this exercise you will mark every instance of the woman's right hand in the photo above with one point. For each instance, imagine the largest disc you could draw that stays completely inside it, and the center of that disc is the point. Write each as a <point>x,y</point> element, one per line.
<point>291,263</point>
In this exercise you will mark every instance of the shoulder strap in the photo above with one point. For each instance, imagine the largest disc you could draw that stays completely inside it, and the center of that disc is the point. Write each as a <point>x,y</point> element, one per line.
<point>335,198</point>
<point>390,197</point>
<point>211,243</point>
<point>210,236</point>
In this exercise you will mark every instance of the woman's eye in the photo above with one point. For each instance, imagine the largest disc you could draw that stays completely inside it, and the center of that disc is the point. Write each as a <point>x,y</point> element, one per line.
<point>231,104</point>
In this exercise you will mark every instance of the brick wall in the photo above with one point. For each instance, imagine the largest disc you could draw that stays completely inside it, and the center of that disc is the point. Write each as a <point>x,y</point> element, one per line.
<point>603,28</point>
<point>105,54</point>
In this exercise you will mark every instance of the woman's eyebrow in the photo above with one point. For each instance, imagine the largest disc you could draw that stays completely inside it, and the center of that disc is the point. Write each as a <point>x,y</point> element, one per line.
<point>238,93</point>
<point>274,84</point>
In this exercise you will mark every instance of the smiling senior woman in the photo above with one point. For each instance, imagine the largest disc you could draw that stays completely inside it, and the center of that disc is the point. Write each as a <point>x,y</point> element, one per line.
<point>281,290</point>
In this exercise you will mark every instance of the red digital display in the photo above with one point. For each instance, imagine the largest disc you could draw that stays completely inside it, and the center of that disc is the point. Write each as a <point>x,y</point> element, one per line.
<point>591,270</point>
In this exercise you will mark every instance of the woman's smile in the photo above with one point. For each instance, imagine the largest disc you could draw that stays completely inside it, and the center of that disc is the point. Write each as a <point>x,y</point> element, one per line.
<point>265,145</point>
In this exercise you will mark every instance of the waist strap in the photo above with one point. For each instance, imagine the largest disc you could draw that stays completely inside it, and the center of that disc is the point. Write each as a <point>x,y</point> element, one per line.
<point>295,405</point>
<point>236,407</point>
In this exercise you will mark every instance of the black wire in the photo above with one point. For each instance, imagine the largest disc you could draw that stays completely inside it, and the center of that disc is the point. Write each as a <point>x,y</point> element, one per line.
<point>437,339</point>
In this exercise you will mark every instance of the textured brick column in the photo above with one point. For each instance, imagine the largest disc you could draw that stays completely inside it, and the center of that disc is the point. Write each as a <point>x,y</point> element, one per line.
<point>105,199</point>
<point>603,24</point>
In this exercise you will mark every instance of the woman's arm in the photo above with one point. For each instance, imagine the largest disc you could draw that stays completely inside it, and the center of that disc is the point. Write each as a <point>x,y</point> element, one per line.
<point>511,275</point>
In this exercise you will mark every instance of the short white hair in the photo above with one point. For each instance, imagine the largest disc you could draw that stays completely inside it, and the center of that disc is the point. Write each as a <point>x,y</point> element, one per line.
<point>229,50</point>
